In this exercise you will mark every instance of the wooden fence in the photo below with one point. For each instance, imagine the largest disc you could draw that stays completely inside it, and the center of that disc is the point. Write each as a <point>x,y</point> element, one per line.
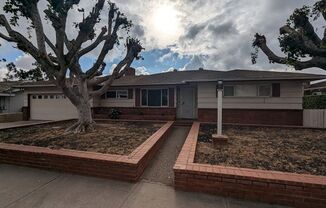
<point>315,118</point>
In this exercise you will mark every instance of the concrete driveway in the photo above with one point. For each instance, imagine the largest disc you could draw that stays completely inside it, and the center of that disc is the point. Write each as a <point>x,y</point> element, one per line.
<point>17,124</point>
<point>27,187</point>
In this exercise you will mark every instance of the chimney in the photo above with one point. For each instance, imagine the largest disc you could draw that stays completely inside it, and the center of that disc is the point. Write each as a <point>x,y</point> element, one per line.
<point>130,72</point>
<point>201,69</point>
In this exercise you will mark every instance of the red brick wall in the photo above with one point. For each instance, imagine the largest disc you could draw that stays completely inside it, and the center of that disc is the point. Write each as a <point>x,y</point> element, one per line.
<point>291,189</point>
<point>254,116</point>
<point>138,113</point>
<point>124,167</point>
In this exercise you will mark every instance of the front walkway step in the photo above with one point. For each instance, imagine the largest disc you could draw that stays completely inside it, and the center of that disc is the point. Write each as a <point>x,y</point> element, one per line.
<point>161,167</point>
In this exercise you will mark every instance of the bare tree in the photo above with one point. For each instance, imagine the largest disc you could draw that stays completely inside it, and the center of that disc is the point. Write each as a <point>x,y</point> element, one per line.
<point>298,40</point>
<point>60,60</point>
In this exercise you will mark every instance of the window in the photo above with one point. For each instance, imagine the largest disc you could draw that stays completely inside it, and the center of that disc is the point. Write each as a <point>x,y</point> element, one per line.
<point>154,97</point>
<point>122,94</point>
<point>51,96</point>
<point>246,91</point>
<point>144,97</point>
<point>34,97</point>
<point>46,96</point>
<point>39,96</point>
<point>115,94</point>
<point>228,90</point>
<point>111,94</point>
<point>57,97</point>
<point>264,90</point>
<point>165,97</point>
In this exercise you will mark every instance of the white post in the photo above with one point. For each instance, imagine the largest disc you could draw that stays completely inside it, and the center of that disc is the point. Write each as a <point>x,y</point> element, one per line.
<point>219,112</point>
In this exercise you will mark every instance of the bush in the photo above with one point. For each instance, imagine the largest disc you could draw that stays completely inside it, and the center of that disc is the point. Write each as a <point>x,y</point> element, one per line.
<point>114,113</point>
<point>314,102</point>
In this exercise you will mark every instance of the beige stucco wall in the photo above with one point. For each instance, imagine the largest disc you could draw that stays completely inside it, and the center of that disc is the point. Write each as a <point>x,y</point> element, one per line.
<point>291,97</point>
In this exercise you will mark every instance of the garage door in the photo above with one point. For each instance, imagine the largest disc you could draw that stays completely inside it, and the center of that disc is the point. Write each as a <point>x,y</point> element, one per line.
<point>51,107</point>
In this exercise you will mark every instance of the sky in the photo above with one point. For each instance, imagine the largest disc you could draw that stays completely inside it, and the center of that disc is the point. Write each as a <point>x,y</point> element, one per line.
<point>185,34</point>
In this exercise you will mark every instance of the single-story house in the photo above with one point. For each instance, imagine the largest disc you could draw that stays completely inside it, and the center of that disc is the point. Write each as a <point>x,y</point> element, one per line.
<point>318,88</point>
<point>11,99</point>
<point>250,97</point>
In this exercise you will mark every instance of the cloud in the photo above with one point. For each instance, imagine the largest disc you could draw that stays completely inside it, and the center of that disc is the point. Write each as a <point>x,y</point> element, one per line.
<point>142,71</point>
<point>165,57</point>
<point>25,62</point>
<point>216,34</point>
<point>3,71</point>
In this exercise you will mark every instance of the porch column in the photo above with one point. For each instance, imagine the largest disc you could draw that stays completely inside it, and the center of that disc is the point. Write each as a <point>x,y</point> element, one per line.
<point>219,138</point>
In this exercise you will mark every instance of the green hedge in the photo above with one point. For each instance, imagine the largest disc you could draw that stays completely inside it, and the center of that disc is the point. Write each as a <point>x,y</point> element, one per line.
<point>314,102</point>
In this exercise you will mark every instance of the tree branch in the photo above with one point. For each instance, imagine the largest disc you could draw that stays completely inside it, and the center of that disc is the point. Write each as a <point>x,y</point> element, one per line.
<point>133,50</point>
<point>86,28</point>
<point>260,42</point>
<point>9,39</point>
<point>304,43</point>
<point>301,21</point>
<point>26,46</point>
<point>92,46</point>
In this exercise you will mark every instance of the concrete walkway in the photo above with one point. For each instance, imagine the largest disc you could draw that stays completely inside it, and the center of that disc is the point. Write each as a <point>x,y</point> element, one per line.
<point>17,124</point>
<point>161,168</point>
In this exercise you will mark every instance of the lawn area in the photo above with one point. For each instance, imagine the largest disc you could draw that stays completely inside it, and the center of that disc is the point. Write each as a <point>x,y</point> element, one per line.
<point>279,149</point>
<point>112,138</point>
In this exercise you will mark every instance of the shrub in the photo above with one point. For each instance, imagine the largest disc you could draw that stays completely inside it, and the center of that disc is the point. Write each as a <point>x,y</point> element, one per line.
<point>114,113</point>
<point>314,102</point>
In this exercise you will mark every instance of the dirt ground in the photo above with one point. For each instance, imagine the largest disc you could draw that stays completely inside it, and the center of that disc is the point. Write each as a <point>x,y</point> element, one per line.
<point>113,138</point>
<point>280,149</point>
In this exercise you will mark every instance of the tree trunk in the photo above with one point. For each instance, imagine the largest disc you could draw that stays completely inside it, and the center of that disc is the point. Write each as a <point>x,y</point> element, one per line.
<point>85,121</point>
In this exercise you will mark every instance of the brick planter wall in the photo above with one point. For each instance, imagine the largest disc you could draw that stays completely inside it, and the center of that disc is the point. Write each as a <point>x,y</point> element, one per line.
<point>291,189</point>
<point>137,113</point>
<point>123,167</point>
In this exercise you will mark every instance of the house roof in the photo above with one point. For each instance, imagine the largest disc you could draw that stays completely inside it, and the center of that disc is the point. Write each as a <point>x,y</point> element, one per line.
<point>7,87</point>
<point>319,85</point>
<point>182,77</point>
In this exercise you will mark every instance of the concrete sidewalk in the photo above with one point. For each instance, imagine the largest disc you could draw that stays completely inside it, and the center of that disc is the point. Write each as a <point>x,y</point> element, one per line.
<point>27,187</point>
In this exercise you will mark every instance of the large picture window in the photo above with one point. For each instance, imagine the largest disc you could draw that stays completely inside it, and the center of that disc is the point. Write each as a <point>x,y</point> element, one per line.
<point>154,97</point>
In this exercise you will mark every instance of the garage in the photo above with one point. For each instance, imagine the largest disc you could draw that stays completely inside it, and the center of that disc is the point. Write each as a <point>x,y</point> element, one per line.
<point>51,107</point>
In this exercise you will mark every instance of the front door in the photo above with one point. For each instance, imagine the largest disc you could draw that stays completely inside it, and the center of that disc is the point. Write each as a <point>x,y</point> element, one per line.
<point>187,102</point>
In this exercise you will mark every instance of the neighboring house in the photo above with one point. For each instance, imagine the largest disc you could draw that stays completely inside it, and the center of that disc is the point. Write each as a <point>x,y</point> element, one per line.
<point>316,89</point>
<point>11,99</point>
<point>250,97</point>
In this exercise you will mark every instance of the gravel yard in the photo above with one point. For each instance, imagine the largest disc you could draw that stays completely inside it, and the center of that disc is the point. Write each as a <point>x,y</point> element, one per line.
<point>111,138</point>
<point>279,149</point>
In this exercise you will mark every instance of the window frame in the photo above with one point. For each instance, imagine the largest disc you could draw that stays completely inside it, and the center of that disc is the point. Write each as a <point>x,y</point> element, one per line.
<point>122,98</point>
<point>117,97</point>
<point>257,91</point>
<point>161,89</point>
<point>234,86</point>
<point>270,90</point>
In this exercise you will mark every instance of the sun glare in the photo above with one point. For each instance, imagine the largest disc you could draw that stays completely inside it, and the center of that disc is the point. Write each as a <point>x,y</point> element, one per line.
<point>165,21</point>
